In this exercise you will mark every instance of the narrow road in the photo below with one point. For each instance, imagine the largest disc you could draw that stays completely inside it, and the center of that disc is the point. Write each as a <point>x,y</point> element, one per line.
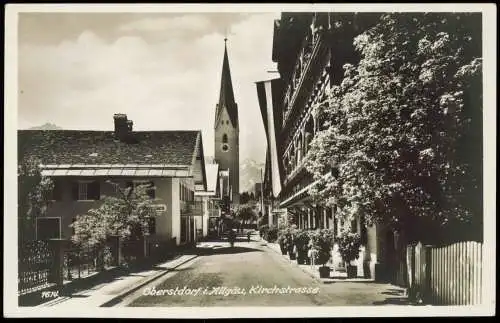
<point>250,274</point>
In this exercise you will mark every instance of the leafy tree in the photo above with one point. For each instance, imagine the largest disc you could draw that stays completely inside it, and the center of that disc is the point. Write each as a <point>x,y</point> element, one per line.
<point>246,212</point>
<point>125,215</point>
<point>244,198</point>
<point>404,127</point>
<point>33,196</point>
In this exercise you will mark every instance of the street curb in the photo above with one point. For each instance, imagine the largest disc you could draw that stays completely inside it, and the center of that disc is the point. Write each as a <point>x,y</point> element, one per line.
<point>118,298</point>
<point>71,285</point>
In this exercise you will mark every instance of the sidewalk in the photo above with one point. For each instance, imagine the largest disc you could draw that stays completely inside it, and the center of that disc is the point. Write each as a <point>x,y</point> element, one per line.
<point>110,289</point>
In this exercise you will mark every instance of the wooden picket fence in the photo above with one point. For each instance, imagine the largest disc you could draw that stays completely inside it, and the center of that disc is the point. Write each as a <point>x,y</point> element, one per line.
<point>445,275</point>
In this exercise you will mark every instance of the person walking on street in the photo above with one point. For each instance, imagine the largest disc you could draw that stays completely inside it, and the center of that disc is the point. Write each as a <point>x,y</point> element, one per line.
<point>232,237</point>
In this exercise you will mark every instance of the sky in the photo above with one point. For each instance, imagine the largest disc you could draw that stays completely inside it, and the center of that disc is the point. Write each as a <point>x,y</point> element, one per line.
<point>161,69</point>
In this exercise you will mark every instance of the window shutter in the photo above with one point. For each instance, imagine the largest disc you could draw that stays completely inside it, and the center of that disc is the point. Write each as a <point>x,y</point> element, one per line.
<point>151,191</point>
<point>74,190</point>
<point>129,184</point>
<point>57,193</point>
<point>152,225</point>
<point>94,191</point>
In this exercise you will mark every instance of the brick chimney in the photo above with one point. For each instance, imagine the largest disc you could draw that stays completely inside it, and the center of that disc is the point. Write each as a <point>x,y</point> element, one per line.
<point>123,127</point>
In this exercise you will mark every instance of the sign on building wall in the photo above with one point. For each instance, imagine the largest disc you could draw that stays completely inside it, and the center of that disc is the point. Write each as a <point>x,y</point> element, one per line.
<point>160,208</point>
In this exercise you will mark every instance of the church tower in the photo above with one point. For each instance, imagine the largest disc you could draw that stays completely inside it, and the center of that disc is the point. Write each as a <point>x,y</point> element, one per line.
<point>226,130</point>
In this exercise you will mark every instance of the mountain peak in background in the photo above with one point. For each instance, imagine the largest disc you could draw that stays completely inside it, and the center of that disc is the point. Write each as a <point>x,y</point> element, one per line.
<point>46,126</point>
<point>250,174</point>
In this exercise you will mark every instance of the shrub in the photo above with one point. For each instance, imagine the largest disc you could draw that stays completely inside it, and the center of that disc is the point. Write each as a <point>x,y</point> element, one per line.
<point>302,240</point>
<point>272,234</point>
<point>349,245</point>
<point>263,229</point>
<point>268,233</point>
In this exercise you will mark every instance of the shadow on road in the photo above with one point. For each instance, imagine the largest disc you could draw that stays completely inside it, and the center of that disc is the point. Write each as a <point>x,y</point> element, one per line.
<point>118,273</point>
<point>394,293</point>
<point>225,250</point>
<point>345,280</point>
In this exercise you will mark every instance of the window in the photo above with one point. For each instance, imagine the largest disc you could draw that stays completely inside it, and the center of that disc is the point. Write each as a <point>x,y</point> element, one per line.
<point>86,190</point>
<point>224,138</point>
<point>82,191</point>
<point>185,193</point>
<point>48,228</point>
<point>354,226</point>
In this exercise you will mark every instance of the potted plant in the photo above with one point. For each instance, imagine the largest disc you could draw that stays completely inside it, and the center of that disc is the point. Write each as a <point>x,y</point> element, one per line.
<point>321,243</point>
<point>302,246</point>
<point>349,245</point>
<point>290,235</point>
<point>282,241</point>
<point>272,234</point>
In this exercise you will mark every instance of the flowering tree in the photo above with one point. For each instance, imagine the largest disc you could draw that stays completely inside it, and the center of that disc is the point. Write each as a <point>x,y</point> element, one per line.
<point>125,215</point>
<point>33,196</point>
<point>404,127</point>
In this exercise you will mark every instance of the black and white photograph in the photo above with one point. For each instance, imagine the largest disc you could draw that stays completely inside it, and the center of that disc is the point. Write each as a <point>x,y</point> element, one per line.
<point>231,161</point>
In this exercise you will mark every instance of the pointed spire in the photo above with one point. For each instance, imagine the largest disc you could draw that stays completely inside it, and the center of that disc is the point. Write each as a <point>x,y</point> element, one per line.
<point>226,97</point>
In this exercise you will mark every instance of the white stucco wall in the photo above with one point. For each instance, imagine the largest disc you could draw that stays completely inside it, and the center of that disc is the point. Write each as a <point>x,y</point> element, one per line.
<point>174,208</point>
<point>206,214</point>
<point>167,223</point>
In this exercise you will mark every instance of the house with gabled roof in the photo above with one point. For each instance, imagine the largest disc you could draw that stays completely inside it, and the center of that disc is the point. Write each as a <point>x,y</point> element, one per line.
<point>82,162</point>
<point>210,198</point>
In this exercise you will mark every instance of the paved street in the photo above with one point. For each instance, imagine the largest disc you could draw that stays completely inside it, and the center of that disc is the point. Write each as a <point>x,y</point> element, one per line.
<point>224,276</point>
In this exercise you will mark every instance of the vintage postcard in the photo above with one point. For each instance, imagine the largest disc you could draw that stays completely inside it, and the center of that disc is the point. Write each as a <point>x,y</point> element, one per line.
<point>233,161</point>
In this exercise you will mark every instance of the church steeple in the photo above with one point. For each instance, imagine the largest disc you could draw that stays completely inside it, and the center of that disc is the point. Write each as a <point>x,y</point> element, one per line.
<point>226,95</point>
<point>226,130</point>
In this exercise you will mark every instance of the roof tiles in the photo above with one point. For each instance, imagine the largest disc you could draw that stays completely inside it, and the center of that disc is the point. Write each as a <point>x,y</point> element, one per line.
<point>74,147</point>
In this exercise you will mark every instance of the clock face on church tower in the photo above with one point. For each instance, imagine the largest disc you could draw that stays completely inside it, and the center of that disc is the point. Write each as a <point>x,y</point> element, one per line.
<point>225,147</point>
